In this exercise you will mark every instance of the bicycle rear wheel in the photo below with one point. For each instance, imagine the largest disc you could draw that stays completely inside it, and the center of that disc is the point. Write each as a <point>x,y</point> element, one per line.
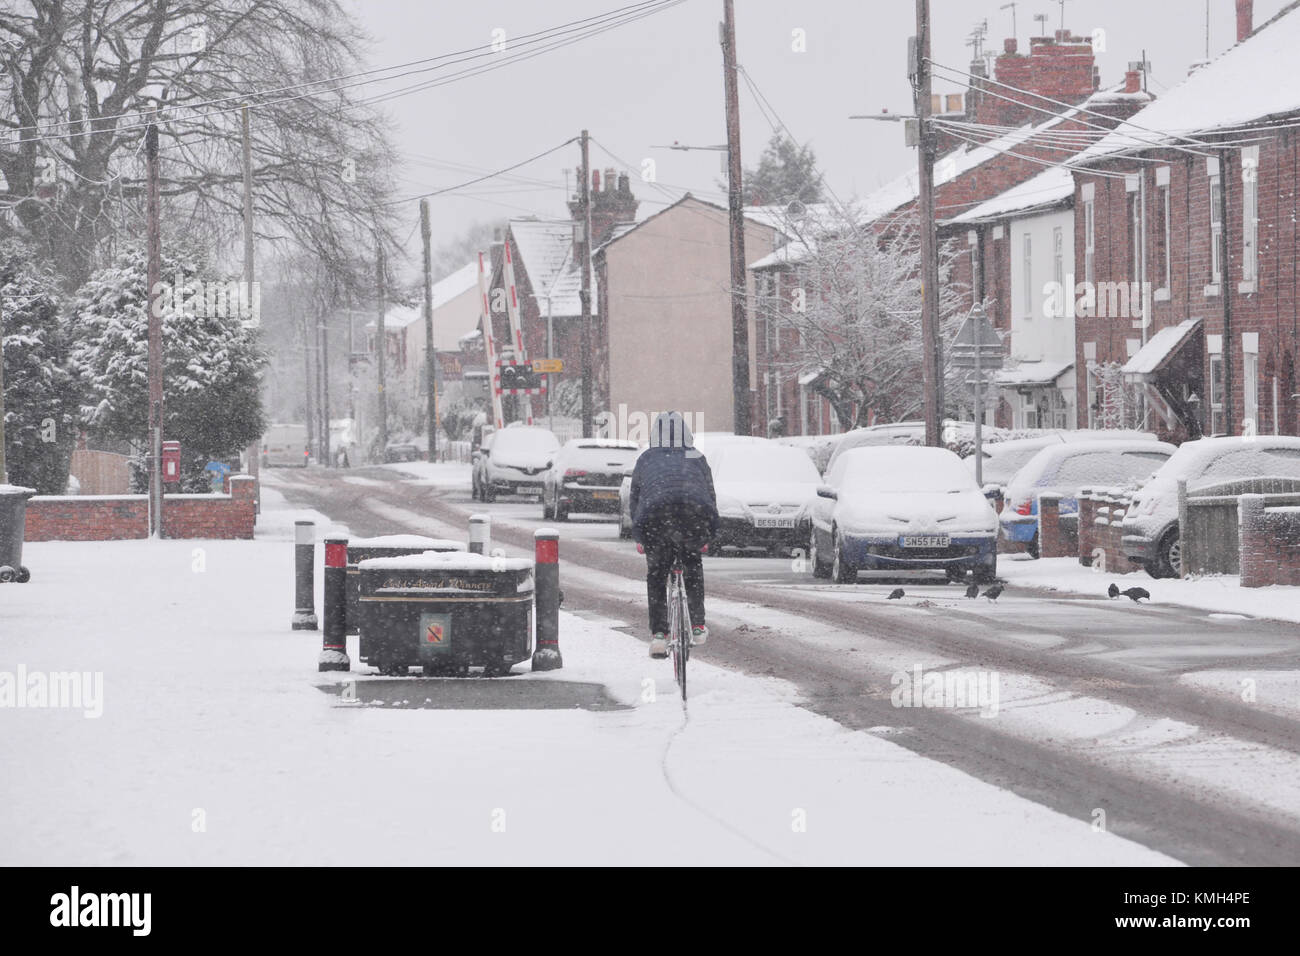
<point>679,629</point>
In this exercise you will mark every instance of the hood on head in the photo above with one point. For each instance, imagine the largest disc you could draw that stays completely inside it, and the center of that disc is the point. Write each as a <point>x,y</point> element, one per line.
<point>670,431</point>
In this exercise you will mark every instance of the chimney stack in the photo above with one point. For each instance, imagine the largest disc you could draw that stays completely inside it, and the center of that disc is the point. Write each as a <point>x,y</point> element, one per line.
<point>1245,18</point>
<point>595,180</point>
<point>1133,81</point>
<point>1009,45</point>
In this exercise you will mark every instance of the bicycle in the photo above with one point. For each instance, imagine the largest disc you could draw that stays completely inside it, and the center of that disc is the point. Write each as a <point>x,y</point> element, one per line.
<point>679,620</point>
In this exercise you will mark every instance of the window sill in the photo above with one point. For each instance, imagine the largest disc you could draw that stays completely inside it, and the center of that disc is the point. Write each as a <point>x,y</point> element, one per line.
<point>1162,295</point>
<point>1246,288</point>
<point>1212,290</point>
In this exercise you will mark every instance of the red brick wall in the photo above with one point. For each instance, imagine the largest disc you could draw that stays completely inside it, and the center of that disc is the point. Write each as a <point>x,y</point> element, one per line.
<point>1270,544</point>
<point>1053,542</point>
<point>73,518</point>
<point>1101,516</point>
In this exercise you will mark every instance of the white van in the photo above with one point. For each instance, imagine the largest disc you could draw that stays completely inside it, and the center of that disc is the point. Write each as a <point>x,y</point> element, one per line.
<point>285,446</point>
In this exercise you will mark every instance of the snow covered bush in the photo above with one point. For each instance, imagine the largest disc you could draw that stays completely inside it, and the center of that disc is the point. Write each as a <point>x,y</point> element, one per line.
<point>211,365</point>
<point>42,388</point>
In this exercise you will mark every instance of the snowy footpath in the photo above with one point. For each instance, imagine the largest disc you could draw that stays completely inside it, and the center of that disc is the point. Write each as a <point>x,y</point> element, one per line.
<point>213,740</point>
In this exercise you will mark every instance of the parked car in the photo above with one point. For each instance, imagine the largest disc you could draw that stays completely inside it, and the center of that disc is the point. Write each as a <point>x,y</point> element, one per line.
<point>765,493</point>
<point>586,476</point>
<point>401,451</point>
<point>705,442</point>
<point>1004,458</point>
<point>518,457</point>
<point>285,445</point>
<point>902,508</point>
<point>1067,467</point>
<point>478,467</point>
<point>1150,534</point>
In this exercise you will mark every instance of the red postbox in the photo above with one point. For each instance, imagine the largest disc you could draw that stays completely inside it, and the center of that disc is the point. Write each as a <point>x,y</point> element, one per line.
<point>171,462</point>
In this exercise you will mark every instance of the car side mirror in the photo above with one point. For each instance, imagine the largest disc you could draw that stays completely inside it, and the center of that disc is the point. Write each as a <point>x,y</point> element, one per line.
<point>550,463</point>
<point>826,491</point>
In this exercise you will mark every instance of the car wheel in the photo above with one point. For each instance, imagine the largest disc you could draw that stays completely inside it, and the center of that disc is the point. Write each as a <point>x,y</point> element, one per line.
<point>842,572</point>
<point>548,512</point>
<point>819,568</point>
<point>986,573</point>
<point>487,492</point>
<point>561,512</point>
<point>955,575</point>
<point>1168,559</point>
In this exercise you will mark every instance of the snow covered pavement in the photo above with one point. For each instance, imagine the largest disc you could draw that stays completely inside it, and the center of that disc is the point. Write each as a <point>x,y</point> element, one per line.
<point>217,745</point>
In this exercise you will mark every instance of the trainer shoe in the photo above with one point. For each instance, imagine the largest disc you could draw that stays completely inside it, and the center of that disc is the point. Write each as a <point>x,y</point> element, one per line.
<point>699,634</point>
<point>659,646</point>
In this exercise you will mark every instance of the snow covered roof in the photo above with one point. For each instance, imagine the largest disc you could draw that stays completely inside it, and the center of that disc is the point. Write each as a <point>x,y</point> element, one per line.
<point>456,284</point>
<point>1153,356</point>
<point>1049,188</point>
<point>398,317</point>
<point>545,249</point>
<point>470,336</point>
<point>791,252</point>
<point>1247,82</point>
<point>1044,372</point>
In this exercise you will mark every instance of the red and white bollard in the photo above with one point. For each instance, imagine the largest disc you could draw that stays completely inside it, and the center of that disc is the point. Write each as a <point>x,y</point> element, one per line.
<point>334,649</point>
<point>546,595</point>
<point>480,533</point>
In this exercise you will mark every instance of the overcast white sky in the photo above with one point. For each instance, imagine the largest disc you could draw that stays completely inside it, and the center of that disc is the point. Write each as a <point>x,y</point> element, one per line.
<point>660,80</point>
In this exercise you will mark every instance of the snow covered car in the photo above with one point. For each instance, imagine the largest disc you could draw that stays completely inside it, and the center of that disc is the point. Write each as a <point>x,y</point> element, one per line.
<point>586,476</point>
<point>1065,468</point>
<point>902,508</point>
<point>765,491</point>
<point>1150,533</point>
<point>516,461</point>
<point>1004,458</point>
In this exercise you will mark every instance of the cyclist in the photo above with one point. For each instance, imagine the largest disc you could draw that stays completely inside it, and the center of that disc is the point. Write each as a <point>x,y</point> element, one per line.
<point>672,499</point>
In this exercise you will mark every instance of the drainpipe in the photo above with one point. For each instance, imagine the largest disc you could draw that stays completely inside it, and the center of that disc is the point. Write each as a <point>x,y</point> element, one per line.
<point>1227,293</point>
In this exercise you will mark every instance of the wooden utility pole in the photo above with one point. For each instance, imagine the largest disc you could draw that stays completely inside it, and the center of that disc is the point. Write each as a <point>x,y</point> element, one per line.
<point>585,295</point>
<point>325,388</point>
<point>430,353</point>
<point>381,344</point>
<point>931,362</point>
<point>742,424</point>
<point>254,451</point>
<point>4,475</point>
<point>153,216</point>
<point>309,384</point>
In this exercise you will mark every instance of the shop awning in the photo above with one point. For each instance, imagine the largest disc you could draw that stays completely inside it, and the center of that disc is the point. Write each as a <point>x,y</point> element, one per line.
<point>1159,351</point>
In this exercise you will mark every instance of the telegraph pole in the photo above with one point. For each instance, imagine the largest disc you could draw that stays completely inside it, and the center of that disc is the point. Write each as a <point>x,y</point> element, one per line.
<point>931,365</point>
<point>381,345</point>
<point>154,297</point>
<point>431,386</point>
<point>325,387</point>
<point>253,452</point>
<point>585,294</point>
<point>735,207</point>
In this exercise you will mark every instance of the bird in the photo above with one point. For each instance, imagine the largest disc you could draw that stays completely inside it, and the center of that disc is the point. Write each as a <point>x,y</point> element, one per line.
<point>973,591</point>
<point>1136,594</point>
<point>895,594</point>
<point>1113,590</point>
<point>993,592</point>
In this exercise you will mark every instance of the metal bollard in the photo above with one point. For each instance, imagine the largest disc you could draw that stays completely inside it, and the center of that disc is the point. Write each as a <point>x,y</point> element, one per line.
<point>334,649</point>
<point>304,556</point>
<point>480,533</point>
<point>546,584</point>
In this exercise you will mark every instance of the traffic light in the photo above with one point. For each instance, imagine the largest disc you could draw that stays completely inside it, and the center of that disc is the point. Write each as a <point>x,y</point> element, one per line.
<point>519,376</point>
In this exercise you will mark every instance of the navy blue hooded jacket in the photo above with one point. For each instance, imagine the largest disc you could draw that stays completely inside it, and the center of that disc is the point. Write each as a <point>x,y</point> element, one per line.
<point>671,476</point>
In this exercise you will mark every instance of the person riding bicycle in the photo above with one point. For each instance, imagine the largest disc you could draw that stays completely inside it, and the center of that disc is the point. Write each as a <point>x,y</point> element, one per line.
<point>673,505</point>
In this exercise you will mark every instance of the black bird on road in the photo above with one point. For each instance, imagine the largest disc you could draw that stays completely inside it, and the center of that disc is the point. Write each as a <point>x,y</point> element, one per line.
<point>993,592</point>
<point>1113,590</point>
<point>973,591</point>
<point>895,594</point>
<point>1136,594</point>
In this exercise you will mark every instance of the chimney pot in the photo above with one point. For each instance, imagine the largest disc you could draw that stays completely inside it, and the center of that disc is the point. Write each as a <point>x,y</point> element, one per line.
<point>1062,36</point>
<point>1009,45</point>
<point>1245,19</point>
<point>610,179</point>
<point>595,180</point>
<point>1132,81</point>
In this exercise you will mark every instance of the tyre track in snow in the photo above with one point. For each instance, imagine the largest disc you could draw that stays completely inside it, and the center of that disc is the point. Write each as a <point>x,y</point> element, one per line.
<point>1198,826</point>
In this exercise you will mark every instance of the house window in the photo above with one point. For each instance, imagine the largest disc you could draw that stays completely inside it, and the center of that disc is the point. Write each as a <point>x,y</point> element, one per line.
<point>1027,275</point>
<point>1058,256</point>
<point>1135,233</point>
<point>1092,395</point>
<point>1216,230</point>
<point>1164,257</point>
<point>1249,212</point>
<point>1250,393</point>
<point>1089,244</point>
<point>776,387</point>
<point>1216,395</point>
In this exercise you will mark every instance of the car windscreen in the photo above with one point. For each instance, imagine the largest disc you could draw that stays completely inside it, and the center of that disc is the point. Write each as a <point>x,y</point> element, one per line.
<point>599,459</point>
<point>923,473</point>
<point>768,463</point>
<point>1102,467</point>
<point>524,441</point>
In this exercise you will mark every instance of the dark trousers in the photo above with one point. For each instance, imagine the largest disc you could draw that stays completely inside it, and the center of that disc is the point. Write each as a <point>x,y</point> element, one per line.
<point>663,536</point>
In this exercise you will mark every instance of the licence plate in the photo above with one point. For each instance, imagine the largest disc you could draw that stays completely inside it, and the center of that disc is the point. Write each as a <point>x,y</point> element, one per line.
<point>925,541</point>
<point>605,495</point>
<point>763,521</point>
<point>530,489</point>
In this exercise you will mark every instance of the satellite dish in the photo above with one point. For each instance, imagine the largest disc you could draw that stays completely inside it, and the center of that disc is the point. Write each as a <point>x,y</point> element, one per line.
<point>796,210</point>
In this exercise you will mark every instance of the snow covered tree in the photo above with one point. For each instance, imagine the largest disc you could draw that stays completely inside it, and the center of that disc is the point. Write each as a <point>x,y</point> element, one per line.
<point>211,394</point>
<point>42,390</point>
<point>852,296</point>
<point>786,173</point>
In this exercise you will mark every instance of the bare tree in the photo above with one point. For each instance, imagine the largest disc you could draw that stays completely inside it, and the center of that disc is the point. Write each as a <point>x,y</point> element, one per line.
<point>852,297</point>
<point>82,79</point>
